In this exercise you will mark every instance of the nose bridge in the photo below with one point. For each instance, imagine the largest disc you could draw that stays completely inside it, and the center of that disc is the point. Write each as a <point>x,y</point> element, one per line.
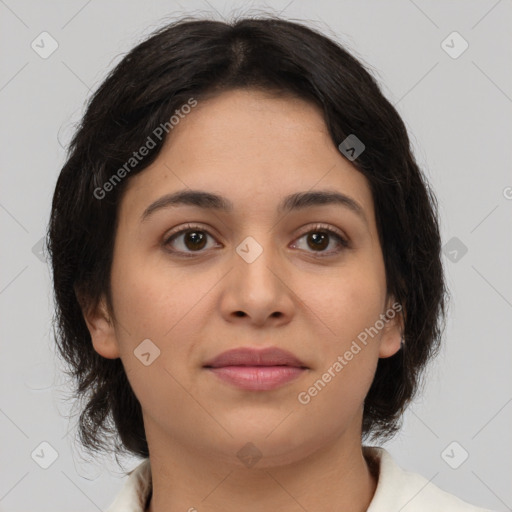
<point>256,285</point>
<point>256,255</point>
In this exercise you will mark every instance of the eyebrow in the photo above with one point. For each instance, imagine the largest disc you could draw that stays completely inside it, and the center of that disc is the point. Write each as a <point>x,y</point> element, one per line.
<point>292,202</point>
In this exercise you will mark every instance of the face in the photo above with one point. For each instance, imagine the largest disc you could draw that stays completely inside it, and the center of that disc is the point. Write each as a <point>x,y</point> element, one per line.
<point>309,280</point>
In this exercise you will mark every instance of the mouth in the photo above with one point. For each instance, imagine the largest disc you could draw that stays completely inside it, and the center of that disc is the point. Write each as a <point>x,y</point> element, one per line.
<point>256,369</point>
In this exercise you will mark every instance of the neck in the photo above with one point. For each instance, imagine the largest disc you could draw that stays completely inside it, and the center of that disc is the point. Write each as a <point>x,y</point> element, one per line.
<point>333,477</point>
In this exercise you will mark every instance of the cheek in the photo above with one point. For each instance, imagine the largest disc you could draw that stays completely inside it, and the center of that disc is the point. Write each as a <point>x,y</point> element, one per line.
<point>142,305</point>
<point>150,294</point>
<point>332,399</point>
<point>348,304</point>
<point>161,302</point>
<point>345,302</point>
<point>151,305</point>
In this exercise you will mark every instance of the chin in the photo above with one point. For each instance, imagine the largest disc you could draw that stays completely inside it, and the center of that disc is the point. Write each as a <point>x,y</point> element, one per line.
<point>261,446</point>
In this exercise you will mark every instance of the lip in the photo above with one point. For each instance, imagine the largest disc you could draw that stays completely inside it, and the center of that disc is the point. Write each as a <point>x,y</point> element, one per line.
<point>256,369</point>
<point>244,356</point>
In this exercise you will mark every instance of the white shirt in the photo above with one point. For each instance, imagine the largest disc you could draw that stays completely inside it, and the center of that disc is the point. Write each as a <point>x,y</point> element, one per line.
<point>396,490</point>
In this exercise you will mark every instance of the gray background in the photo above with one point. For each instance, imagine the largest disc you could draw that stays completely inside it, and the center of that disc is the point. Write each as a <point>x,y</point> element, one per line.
<point>458,112</point>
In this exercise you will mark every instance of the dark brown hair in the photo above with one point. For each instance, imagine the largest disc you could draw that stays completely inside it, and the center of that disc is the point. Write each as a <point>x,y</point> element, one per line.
<point>199,58</point>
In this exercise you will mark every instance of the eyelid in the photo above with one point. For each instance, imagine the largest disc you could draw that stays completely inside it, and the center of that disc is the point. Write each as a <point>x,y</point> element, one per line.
<point>324,227</point>
<point>186,227</point>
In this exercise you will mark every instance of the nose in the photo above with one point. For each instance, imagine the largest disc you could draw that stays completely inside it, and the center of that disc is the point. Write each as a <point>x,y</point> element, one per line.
<point>257,289</point>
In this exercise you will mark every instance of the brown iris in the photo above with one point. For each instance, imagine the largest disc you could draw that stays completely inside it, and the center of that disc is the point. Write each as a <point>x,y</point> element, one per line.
<point>197,240</point>
<point>320,240</point>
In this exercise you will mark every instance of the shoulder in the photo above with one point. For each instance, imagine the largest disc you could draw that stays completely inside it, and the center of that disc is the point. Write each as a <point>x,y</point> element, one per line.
<point>402,490</point>
<point>135,490</point>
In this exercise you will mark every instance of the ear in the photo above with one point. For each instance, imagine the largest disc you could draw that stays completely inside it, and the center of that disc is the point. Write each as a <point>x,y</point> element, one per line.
<point>390,342</point>
<point>100,325</point>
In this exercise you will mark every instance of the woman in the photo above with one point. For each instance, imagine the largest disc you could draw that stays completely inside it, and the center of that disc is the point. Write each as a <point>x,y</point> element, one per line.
<point>247,272</point>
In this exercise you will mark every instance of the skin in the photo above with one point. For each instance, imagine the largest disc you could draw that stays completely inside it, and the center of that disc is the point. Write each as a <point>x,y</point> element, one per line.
<point>254,149</point>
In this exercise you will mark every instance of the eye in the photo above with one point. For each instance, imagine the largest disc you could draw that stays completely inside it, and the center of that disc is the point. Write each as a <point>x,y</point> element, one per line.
<point>194,240</point>
<point>320,237</point>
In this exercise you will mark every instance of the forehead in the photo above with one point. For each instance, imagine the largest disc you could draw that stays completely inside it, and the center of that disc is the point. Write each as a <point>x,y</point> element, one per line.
<point>251,147</point>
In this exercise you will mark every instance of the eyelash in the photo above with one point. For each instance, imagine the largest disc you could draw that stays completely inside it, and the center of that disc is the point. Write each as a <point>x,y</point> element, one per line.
<point>319,228</point>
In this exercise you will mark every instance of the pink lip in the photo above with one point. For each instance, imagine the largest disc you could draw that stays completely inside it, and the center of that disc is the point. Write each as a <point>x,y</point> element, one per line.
<point>258,378</point>
<point>256,369</point>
